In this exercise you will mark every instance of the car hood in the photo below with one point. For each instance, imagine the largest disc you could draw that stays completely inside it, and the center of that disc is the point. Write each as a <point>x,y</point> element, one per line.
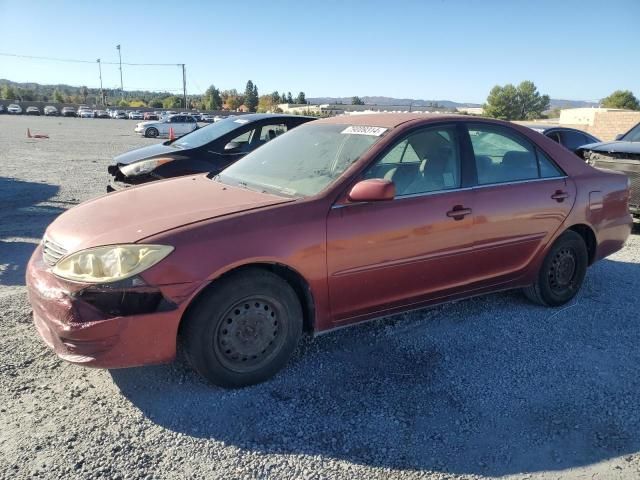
<point>131,215</point>
<point>612,147</point>
<point>144,153</point>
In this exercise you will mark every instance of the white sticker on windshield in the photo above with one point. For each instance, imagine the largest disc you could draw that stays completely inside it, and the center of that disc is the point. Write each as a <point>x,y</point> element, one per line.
<point>364,130</point>
<point>241,120</point>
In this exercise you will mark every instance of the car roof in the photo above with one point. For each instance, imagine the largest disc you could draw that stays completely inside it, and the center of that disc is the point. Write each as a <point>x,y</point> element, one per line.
<point>254,117</point>
<point>388,120</point>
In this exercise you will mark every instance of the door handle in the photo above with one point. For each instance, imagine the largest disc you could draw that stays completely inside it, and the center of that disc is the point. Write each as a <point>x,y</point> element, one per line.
<point>559,196</point>
<point>458,212</point>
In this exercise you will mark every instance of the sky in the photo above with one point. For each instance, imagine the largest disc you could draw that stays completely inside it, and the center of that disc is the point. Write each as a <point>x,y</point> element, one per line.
<point>424,49</point>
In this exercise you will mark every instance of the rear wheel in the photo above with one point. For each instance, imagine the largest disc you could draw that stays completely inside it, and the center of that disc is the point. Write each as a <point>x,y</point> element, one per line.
<point>562,272</point>
<point>151,132</point>
<point>244,329</point>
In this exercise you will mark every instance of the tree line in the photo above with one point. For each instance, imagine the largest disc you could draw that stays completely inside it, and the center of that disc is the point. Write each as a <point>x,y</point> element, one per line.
<point>524,102</point>
<point>212,99</point>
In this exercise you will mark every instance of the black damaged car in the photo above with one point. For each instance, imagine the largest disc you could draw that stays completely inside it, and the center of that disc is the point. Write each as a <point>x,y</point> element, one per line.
<point>622,155</point>
<point>208,149</point>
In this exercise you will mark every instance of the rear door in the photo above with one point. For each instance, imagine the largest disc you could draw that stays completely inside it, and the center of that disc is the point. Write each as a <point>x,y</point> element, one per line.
<point>521,199</point>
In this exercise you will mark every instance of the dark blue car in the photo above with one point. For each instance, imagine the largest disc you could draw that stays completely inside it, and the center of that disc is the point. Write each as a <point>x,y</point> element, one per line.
<point>208,149</point>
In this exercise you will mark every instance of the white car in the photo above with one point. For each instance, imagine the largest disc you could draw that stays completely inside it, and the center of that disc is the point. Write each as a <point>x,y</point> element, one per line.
<point>14,109</point>
<point>135,115</point>
<point>85,113</point>
<point>181,124</point>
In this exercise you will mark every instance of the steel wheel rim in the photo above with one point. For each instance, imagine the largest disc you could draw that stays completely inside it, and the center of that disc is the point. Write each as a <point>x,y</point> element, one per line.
<point>563,271</point>
<point>250,334</point>
<point>152,132</point>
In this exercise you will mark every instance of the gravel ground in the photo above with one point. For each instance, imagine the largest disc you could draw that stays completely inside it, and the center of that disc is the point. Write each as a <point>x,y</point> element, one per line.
<point>488,387</point>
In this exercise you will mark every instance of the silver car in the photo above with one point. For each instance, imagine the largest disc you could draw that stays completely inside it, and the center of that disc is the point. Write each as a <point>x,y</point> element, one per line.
<point>181,125</point>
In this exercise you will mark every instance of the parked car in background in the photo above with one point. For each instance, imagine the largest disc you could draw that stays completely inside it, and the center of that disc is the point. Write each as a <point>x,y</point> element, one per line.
<point>206,118</point>
<point>32,111</point>
<point>101,114</point>
<point>570,138</point>
<point>2,109</point>
<point>150,116</point>
<point>621,155</point>
<point>51,111</point>
<point>135,115</point>
<point>338,221</point>
<point>85,113</point>
<point>208,149</point>
<point>181,125</point>
<point>14,109</point>
<point>120,114</point>
<point>68,112</point>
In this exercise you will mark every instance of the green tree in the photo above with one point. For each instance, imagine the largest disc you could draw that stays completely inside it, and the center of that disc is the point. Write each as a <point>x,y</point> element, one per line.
<point>289,98</point>
<point>275,98</point>
<point>231,100</point>
<point>157,103</point>
<point>356,101</point>
<point>251,96</point>
<point>265,104</point>
<point>57,96</point>
<point>621,99</point>
<point>301,99</point>
<point>212,99</point>
<point>523,102</point>
<point>172,102</point>
<point>84,92</point>
<point>283,98</point>
<point>8,93</point>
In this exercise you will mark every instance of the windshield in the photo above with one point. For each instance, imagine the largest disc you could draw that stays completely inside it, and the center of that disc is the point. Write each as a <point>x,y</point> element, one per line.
<point>633,135</point>
<point>302,162</point>
<point>207,134</point>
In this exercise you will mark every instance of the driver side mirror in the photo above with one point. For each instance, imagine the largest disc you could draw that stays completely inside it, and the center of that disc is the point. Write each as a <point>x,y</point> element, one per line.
<point>619,136</point>
<point>372,190</point>
<point>231,147</point>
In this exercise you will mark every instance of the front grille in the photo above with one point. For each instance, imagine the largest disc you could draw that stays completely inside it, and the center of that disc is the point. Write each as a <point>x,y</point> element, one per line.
<point>629,164</point>
<point>52,252</point>
<point>635,188</point>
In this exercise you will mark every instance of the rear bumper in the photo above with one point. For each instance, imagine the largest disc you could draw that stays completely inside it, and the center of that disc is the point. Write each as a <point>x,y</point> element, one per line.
<point>79,333</point>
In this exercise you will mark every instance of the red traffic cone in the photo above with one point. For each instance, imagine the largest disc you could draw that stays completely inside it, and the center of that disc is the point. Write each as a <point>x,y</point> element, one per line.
<point>172,136</point>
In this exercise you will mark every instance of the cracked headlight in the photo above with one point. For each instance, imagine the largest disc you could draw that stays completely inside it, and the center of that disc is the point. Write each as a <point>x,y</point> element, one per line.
<point>110,263</point>
<point>143,166</point>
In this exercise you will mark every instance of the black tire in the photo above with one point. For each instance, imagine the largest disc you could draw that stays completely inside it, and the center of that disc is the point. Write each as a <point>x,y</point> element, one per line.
<point>244,329</point>
<point>562,272</point>
<point>151,132</point>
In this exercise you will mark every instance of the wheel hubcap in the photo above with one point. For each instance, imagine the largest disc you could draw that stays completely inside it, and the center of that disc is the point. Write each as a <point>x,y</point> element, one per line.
<point>248,334</point>
<point>562,271</point>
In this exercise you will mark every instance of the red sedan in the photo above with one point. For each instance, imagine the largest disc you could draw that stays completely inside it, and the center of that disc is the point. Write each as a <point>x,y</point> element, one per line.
<point>338,221</point>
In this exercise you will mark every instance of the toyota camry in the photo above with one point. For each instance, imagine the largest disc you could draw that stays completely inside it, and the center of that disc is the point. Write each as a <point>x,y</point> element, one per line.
<point>339,221</point>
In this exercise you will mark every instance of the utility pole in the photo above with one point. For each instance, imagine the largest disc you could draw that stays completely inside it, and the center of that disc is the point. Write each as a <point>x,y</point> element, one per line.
<point>121,84</point>
<point>184,85</point>
<point>100,73</point>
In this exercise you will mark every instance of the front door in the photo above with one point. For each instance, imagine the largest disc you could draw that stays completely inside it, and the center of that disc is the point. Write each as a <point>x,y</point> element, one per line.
<point>383,255</point>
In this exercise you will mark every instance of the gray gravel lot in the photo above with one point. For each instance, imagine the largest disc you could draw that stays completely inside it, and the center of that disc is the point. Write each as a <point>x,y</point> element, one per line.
<point>488,387</point>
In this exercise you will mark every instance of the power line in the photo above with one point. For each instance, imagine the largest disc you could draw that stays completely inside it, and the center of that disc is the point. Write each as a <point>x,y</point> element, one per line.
<point>73,60</point>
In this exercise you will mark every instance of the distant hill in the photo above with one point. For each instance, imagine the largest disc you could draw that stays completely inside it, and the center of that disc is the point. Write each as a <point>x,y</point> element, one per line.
<point>444,103</point>
<point>45,92</point>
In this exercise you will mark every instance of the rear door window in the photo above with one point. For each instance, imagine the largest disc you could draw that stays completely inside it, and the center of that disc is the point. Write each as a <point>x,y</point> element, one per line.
<point>269,132</point>
<point>502,156</point>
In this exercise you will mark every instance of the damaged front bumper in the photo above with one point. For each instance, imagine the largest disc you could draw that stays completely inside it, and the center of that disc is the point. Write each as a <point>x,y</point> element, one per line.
<point>106,326</point>
<point>118,181</point>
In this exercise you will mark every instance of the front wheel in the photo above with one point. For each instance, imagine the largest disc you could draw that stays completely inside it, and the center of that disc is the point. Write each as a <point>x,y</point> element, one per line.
<point>562,272</point>
<point>243,330</point>
<point>151,132</point>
